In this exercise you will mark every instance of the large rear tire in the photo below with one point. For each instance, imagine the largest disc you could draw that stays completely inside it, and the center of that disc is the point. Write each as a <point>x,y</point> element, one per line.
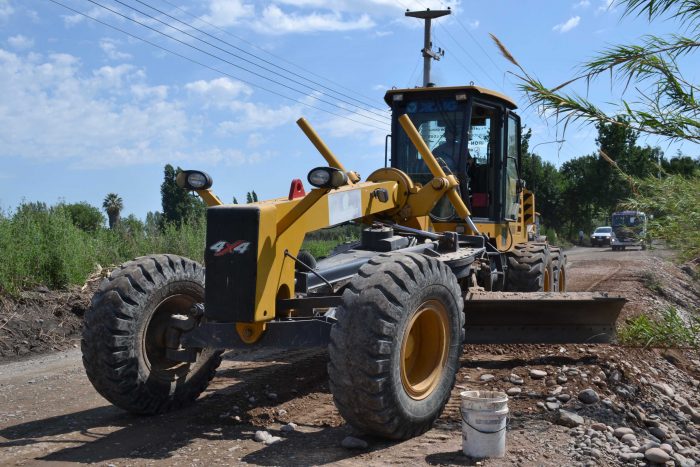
<point>123,343</point>
<point>395,348</point>
<point>530,268</point>
<point>558,269</point>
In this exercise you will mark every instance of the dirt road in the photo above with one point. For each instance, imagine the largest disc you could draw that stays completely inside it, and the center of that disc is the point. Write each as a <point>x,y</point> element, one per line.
<point>49,412</point>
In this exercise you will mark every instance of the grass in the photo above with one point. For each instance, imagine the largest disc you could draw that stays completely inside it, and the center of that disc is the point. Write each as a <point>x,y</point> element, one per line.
<point>320,243</point>
<point>42,246</point>
<point>668,331</point>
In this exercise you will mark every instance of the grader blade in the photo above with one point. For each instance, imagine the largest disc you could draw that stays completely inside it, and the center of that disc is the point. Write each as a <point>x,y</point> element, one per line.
<point>541,317</point>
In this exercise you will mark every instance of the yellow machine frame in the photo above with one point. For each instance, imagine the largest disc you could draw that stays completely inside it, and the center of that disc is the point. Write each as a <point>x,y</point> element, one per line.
<point>285,222</point>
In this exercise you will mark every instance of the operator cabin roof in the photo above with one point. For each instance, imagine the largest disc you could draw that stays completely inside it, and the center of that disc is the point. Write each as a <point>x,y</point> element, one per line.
<point>472,90</point>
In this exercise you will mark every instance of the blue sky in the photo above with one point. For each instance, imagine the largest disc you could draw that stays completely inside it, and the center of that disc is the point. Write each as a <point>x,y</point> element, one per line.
<point>87,110</point>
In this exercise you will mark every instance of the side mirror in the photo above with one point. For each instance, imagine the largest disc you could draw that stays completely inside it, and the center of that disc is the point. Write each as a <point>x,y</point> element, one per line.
<point>520,185</point>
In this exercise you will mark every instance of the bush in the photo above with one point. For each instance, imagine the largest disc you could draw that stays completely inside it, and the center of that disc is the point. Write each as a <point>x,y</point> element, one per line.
<point>674,201</point>
<point>85,216</point>
<point>669,331</point>
<point>44,246</point>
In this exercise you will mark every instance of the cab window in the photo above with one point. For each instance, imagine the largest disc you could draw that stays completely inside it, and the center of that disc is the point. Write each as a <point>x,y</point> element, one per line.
<point>511,198</point>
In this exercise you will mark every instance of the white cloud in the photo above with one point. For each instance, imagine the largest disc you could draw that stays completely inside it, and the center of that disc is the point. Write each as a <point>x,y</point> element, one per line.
<point>256,140</point>
<point>33,15</point>
<point>352,127</point>
<point>6,9</point>
<point>54,111</point>
<point>95,12</point>
<point>141,91</point>
<point>376,7</point>
<point>605,6</point>
<point>473,24</point>
<point>109,47</point>
<point>253,117</point>
<point>570,24</point>
<point>224,13</point>
<point>582,4</point>
<point>219,92</point>
<point>20,42</point>
<point>276,21</point>
<point>114,77</point>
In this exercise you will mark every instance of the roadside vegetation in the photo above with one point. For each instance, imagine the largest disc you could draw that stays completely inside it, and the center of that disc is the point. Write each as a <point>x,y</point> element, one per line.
<point>45,246</point>
<point>654,97</point>
<point>667,331</point>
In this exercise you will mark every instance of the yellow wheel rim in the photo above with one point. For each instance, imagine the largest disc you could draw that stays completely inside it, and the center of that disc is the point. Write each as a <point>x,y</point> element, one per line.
<point>547,281</point>
<point>562,280</point>
<point>424,349</point>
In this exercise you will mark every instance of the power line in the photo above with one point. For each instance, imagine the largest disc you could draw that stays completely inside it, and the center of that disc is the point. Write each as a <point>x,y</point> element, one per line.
<point>476,62</point>
<point>165,49</point>
<point>230,62</point>
<point>263,50</point>
<point>456,59</point>
<point>410,79</point>
<point>476,42</point>
<point>371,106</point>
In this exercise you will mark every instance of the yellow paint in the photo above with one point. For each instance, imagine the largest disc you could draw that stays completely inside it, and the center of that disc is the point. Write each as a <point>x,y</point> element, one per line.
<point>325,150</point>
<point>424,349</point>
<point>209,198</point>
<point>284,223</point>
<point>250,332</point>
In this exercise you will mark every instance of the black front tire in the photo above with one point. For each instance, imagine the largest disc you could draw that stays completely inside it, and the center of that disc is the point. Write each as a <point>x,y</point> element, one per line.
<point>396,301</point>
<point>123,340</point>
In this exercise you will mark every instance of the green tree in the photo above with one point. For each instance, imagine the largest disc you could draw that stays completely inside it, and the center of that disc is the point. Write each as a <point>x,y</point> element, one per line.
<point>545,181</point>
<point>578,202</point>
<point>154,222</point>
<point>85,216</point>
<point>178,205</point>
<point>248,198</point>
<point>113,206</point>
<point>255,196</point>
<point>682,165</point>
<point>132,225</point>
<point>235,201</point>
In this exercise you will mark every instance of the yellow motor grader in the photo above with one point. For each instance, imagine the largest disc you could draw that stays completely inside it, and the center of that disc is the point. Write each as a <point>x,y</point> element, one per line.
<point>443,257</point>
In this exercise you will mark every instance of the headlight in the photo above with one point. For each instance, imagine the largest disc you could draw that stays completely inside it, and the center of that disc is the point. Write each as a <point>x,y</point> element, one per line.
<point>193,180</point>
<point>327,177</point>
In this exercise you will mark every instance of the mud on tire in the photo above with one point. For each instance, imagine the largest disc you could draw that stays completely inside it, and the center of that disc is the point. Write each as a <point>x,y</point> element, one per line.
<point>530,268</point>
<point>380,352</point>
<point>123,335</point>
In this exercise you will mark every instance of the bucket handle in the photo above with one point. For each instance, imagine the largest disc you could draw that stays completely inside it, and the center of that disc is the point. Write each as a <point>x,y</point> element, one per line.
<point>486,432</point>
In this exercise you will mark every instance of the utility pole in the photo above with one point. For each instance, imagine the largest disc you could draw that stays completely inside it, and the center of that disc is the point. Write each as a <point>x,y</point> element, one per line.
<point>428,53</point>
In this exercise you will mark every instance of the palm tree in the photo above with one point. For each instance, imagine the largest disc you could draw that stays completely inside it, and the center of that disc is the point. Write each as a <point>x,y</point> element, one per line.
<point>113,205</point>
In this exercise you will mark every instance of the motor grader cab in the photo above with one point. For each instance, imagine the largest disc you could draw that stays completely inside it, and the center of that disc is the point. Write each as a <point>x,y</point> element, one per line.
<point>474,134</point>
<point>443,257</point>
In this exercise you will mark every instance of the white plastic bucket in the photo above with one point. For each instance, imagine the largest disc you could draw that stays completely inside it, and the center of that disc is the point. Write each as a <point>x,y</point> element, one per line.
<point>484,418</point>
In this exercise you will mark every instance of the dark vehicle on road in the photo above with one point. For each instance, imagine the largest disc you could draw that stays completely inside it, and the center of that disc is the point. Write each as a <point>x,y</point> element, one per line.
<point>602,236</point>
<point>630,229</point>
